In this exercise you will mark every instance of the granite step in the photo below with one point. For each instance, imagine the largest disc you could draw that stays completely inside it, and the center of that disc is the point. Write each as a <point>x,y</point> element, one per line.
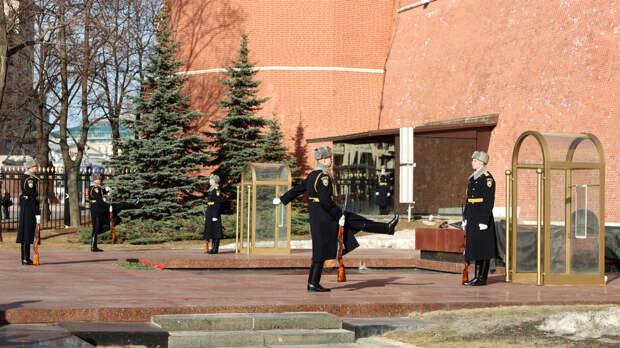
<point>196,339</point>
<point>247,321</point>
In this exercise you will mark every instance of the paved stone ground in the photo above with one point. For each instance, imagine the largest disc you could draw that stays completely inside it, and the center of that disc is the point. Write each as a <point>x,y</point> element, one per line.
<point>77,285</point>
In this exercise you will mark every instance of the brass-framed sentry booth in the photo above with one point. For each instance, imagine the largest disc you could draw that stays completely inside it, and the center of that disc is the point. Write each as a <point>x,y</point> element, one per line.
<point>263,228</point>
<point>557,215</point>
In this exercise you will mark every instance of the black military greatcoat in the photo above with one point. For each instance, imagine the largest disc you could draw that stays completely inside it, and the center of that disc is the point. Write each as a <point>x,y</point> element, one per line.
<point>480,244</point>
<point>383,187</point>
<point>99,208</point>
<point>28,208</point>
<point>213,229</point>
<point>324,215</point>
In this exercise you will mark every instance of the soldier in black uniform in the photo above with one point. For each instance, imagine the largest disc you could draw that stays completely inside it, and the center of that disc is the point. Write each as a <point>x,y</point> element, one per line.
<point>100,210</point>
<point>213,217</point>
<point>478,221</point>
<point>326,217</point>
<point>29,211</point>
<point>383,191</point>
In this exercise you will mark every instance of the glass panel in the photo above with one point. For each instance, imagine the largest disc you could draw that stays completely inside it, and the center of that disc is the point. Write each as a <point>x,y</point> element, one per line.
<point>558,221</point>
<point>265,217</point>
<point>246,217</point>
<point>585,214</point>
<point>247,174</point>
<point>586,151</point>
<point>282,222</point>
<point>559,146</point>
<point>268,171</point>
<point>530,151</point>
<point>526,220</point>
<point>356,167</point>
<point>285,174</point>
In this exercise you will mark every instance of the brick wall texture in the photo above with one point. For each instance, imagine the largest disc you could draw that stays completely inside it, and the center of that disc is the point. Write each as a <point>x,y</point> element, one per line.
<point>548,66</point>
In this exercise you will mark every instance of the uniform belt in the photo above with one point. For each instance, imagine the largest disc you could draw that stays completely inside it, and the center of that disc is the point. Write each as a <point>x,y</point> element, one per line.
<point>211,203</point>
<point>475,200</point>
<point>25,197</point>
<point>314,199</point>
<point>383,184</point>
<point>93,201</point>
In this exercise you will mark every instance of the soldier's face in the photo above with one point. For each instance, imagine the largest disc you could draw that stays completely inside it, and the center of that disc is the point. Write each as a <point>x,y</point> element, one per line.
<point>476,163</point>
<point>327,161</point>
<point>211,182</point>
<point>34,169</point>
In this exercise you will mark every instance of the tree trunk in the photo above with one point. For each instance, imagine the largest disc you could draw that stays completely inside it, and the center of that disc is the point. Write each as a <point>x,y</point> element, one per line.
<point>4,48</point>
<point>74,196</point>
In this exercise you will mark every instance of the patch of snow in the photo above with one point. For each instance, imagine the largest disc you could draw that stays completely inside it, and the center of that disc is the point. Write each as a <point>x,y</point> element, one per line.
<point>584,325</point>
<point>403,239</point>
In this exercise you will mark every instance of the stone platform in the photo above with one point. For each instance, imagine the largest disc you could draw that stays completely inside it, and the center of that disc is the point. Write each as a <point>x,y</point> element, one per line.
<point>77,285</point>
<point>297,259</point>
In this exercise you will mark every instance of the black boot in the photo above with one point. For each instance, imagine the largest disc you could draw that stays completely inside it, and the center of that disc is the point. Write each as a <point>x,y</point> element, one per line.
<point>26,254</point>
<point>215,246</point>
<point>381,227</point>
<point>392,224</point>
<point>27,250</point>
<point>484,272</point>
<point>477,275</point>
<point>315,277</point>
<point>93,243</point>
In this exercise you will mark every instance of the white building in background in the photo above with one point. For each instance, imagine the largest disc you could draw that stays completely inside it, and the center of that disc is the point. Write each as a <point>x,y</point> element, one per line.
<point>98,145</point>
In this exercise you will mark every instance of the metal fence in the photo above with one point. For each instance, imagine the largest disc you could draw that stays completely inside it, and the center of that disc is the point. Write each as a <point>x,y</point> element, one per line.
<point>52,197</point>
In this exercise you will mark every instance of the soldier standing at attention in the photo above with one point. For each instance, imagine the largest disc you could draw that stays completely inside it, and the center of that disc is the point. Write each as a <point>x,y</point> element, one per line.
<point>478,222</point>
<point>213,215</point>
<point>29,211</point>
<point>383,191</point>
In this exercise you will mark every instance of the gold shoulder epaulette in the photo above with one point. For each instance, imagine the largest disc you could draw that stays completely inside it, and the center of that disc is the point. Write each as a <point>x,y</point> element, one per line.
<point>486,173</point>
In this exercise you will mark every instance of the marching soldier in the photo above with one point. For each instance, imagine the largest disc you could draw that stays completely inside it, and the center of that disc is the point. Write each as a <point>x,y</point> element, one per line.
<point>383,191</point>
<point>29,211</point>
<point>100,210</point>
<point>478,221</point>
<point>213,217</point>
<point>326,216</point>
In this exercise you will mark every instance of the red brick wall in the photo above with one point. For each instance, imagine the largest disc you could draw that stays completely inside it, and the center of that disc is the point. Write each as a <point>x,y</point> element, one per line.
<point>322,33</point>
<point>550,66</point>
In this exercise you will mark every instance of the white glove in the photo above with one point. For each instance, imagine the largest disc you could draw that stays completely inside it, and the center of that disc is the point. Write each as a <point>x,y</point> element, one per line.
<point>111,208</point>
<point>463,224</point>
<point>341,221</point>
<point>213,219</point>
<point>38,218</point>
<point>388,194</point>
<point>482,227</point>
<point>377,193</point>
<point>276,201</point>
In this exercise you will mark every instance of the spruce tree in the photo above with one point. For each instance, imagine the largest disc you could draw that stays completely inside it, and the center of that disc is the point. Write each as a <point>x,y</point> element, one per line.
<point>300,154</point>
<point>237,138</point>
<point>159,165</point>
<point>273,150</point>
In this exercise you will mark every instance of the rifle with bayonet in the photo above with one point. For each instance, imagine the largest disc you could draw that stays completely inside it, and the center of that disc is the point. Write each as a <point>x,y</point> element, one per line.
<point>341,275</point>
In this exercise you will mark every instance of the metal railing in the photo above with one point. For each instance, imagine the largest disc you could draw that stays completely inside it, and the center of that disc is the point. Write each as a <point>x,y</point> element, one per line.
<point>52,196</point>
